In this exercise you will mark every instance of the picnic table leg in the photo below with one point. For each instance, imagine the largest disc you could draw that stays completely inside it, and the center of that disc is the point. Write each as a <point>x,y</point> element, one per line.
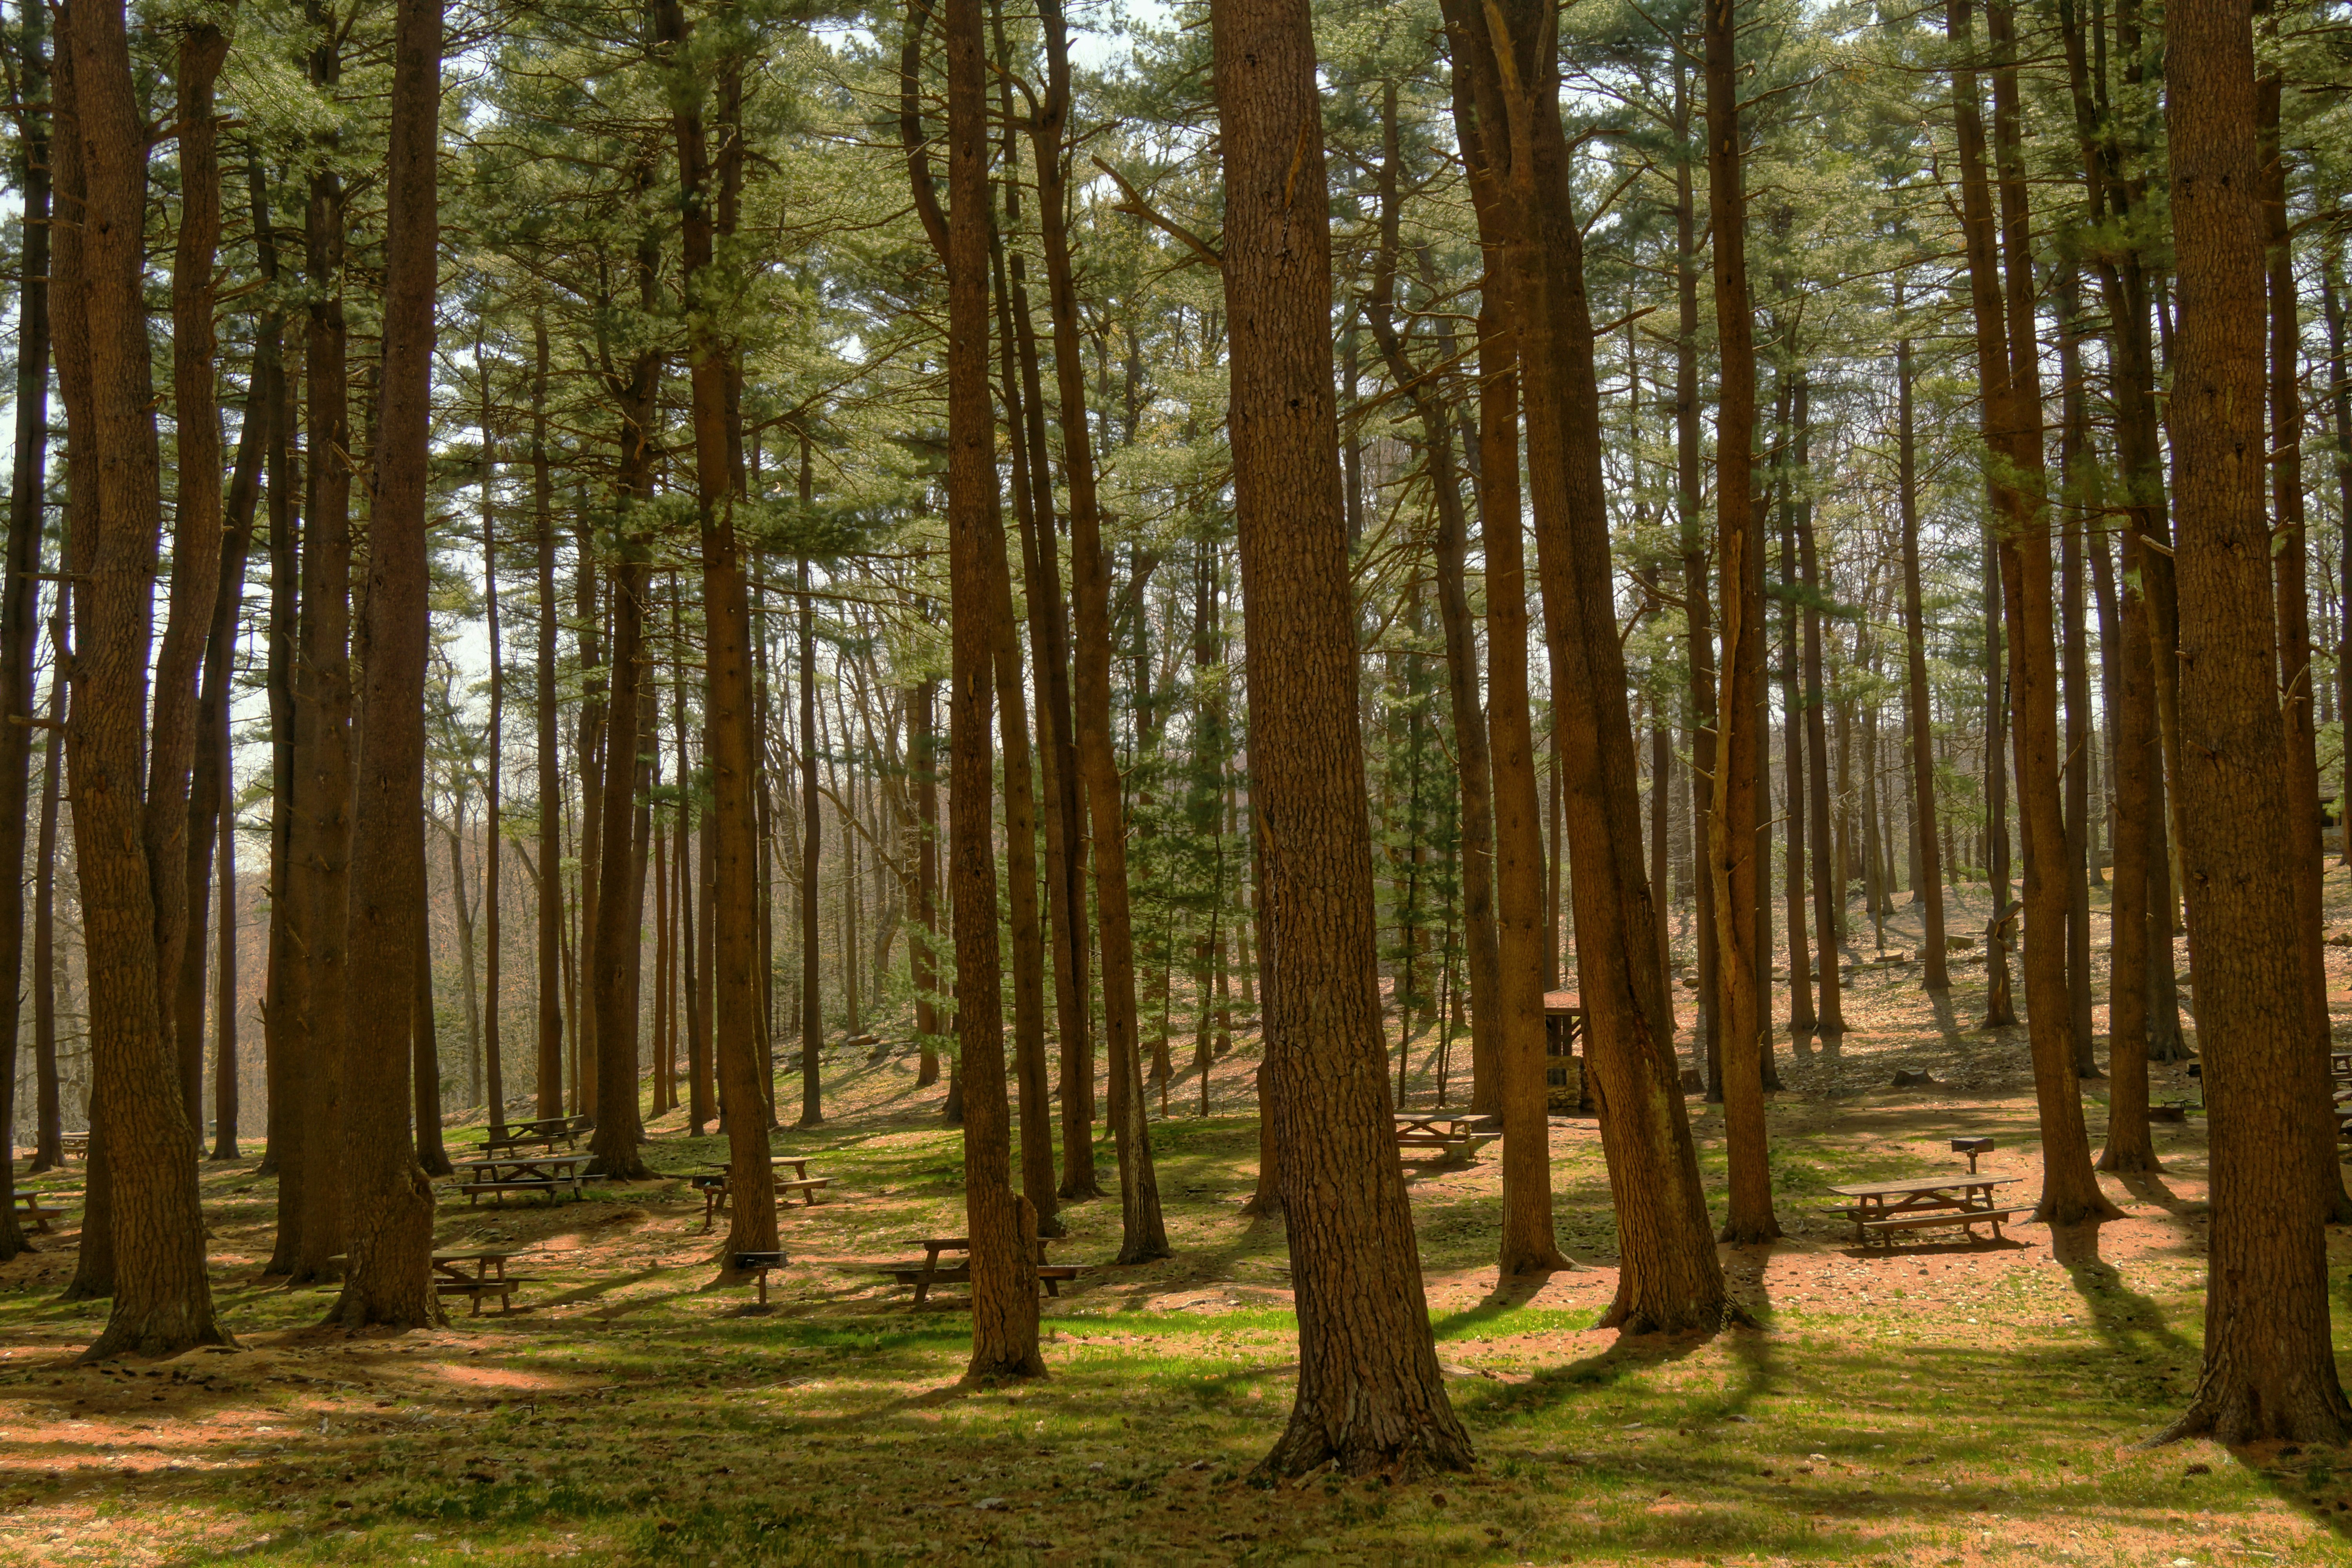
<point>922,1288</point>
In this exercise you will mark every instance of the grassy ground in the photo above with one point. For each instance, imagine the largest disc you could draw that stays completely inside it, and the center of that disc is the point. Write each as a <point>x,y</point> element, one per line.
<point>1947,1404</point>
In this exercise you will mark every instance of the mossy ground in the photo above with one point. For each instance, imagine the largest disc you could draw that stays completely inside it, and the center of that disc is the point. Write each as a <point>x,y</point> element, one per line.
<point>1946,1404</point>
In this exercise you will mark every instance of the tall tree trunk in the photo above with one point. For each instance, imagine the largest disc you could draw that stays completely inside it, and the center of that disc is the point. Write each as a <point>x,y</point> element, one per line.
<point>2077,480</point>
<point>1918,708</point>
<point>1049,640</point>
<point>322,692</point>
<point>1143,1232</point>
<point>1370,1393</point>
<point>1471,757</point>
<point>812,842</point>
<point>20,590</point>
<point>2269,1369</point>
<point>2297,679</point>
<point>1802,1019</point>
<point>162,1298</point>
<point>389,1277</point>
<point>424,1053</point>
<point>210,801</point>
<point>1739,546</point>
<point>548,1065</point>
<point>617,956</point>
<point>48,1110</point>
<point>1696,552</point>
<point>729,744</point>
<point>1000,1224</point>
<point>2129,1146</point>
<point>225,1084</point>
<point>1020,793</point>
<point>195,555</point>
<point>2006,358</point>
<point>491,1044</point>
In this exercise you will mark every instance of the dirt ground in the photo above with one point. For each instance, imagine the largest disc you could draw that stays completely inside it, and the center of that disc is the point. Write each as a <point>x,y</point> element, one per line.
<point>1945,1403</point>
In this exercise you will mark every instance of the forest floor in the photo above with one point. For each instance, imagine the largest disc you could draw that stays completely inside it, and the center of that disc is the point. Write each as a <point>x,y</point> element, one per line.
<point>1943,1404</point>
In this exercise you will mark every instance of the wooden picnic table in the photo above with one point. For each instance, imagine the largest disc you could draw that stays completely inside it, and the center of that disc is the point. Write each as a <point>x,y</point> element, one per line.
<point>799,1163</point>
<point>72,1143</point>
<point>927,1273</point>
<point>545,1133</point>
<point>521,1172</point>
<point>33,1204</point>
<point>486,1276</point>
<point>714,1187</point>
<point>1881,1210</point>
<point>1460,1136</point>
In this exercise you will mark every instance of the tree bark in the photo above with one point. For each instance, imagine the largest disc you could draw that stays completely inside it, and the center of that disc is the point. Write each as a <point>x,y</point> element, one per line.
<point>2269,1369</point>
<point>1732,837</point>
<point>811,846</point>
<point>1001,1225</point>
<point>1370,1393</point>
<point>1918,708</point>
<point>729,744</point>
<point>20,590</point>
<point>389,1277</point>
<point>162,1298</point>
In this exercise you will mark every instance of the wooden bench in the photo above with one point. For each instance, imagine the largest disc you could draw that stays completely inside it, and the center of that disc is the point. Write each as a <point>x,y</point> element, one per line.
<point>474,1190</point>
<point>922,1278</point>
<point>1883,1210</point>
<point>924,1275</point>
<point>1459,1138</point>
<point>758,1264</point>
<point>1965,1218</point>
<point>33,1206</point>
<point>713,1189</point>
<point>502,1288</point>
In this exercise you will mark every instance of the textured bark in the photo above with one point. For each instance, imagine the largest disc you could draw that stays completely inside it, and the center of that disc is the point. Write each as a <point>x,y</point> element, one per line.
<point>2077,479</point>
<point>197,540</point>
<point>389,1277</point>
<point>2129,1146</point>
<point>162,1298</point>
<point>225,1009</point>
<point>1698,616</point>
<point>1001,1225</point>
<point>2307,858</point>
<point>490,1046</point>
<point>1918,708</point>
<point>2008,367</point>
<point>811,845</point>
<point>1670,1275</point>
<point>321,832</point>
<point>20,589</point>
<point>730,744</point>
<point>1739,545</point>
<point>2269,1368</point>
<point>1370,1393</point>
<point>548,1059</point>
<point>1021,889</point>
<point>616,954</point>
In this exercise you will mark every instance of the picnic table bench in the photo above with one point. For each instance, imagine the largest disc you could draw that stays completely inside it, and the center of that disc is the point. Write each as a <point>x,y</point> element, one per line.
<point>72,1143</point>
<point>487,1276</point>
<point>1882,1210</point>
<point>33,1204</point>
<point>1460,1137</point>
<point>924,1275</point>
<point>522,1173</point>
<point>544,1133</point>
<point>714,1186</point>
